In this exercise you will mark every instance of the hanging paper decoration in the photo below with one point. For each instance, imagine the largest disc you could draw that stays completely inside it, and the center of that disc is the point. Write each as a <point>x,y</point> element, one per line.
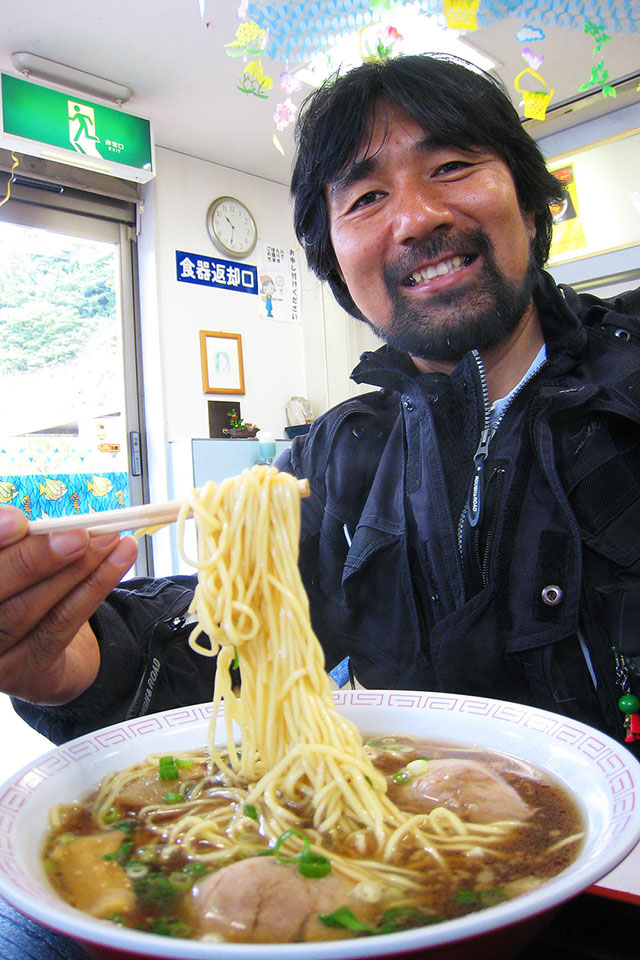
<point>461,14</point>
<point>377,41</point>
<point>599,77</point>
<point>599,73</point>
<point>288,83</point>
<point>529,34</point>
<point>203,12</point>
<point>598,34</point>
<point>299,29</point>
<point>383,6</point>
<point>535,101</point>
<point>285,114</point>
<point>254,80</point>
<point>534,60</point>
<point>251,41</point>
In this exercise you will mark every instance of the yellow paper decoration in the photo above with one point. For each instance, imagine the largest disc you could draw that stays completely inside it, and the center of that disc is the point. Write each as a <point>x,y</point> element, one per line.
<point>535,101</point>
<point>461,14</point>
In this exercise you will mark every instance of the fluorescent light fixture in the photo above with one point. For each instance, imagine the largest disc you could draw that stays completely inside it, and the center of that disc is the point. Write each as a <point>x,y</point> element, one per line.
<point>79,162</point>
<point>420,33</point>
<point>38,67</point>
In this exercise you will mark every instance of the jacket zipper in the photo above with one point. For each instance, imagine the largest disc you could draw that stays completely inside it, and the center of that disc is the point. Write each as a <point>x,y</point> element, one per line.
<point>474,507</point>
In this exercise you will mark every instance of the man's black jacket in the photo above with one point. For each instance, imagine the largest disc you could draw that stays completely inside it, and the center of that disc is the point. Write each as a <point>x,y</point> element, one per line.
<point>530,601</point>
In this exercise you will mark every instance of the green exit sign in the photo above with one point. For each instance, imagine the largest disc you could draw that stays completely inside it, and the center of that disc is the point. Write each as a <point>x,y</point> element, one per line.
<point>59,126</point>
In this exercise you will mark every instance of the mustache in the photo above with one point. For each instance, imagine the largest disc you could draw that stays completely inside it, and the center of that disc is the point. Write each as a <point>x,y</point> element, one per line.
<point>473,242</point>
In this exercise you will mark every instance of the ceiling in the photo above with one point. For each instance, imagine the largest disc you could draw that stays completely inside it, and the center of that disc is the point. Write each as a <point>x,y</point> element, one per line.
<point>185,83</point>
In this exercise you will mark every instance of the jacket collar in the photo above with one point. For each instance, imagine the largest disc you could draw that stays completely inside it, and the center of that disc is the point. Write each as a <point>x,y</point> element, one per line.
<point>562,327</point>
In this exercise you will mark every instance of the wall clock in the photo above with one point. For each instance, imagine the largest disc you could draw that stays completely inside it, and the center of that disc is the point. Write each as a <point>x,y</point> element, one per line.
<point>231,226</point>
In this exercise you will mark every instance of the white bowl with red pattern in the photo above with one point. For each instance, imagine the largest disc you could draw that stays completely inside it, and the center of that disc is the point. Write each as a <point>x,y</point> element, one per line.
<point>600,773</point>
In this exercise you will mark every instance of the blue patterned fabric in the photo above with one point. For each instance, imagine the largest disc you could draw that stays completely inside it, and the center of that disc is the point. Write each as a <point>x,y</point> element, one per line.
<point>62,494</point>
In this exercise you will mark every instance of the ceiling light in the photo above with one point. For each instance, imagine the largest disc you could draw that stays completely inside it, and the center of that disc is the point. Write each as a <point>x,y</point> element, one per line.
<point>79,162</point>
<point>418,33</point>
<point>33,66</point>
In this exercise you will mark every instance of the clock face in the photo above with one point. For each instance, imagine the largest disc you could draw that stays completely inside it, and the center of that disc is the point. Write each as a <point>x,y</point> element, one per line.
<point>231,227</point>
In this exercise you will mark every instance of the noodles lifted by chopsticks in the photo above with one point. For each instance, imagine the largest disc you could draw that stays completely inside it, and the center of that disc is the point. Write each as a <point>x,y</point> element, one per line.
<point>299,759</point>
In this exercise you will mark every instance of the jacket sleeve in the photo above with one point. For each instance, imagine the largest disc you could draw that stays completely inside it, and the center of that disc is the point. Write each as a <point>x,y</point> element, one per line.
<point>146,663</point>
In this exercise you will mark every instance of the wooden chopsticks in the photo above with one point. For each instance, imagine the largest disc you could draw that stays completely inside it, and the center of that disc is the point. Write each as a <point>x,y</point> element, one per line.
<point>129,518</point>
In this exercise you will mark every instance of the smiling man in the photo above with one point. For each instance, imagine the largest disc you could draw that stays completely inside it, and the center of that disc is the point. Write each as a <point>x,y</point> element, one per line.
<point>474,520</point>
<point>459,536</point>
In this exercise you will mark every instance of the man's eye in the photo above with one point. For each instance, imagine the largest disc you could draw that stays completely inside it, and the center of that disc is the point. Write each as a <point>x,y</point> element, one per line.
<point>365,199</point>
<point>452,166</point>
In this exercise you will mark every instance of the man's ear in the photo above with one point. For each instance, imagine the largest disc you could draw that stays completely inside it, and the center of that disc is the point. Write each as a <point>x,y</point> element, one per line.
<point>529,218</point>
<point>336,269</point>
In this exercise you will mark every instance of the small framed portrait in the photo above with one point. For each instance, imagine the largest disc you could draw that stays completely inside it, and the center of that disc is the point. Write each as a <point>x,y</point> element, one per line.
<point>221,359</point>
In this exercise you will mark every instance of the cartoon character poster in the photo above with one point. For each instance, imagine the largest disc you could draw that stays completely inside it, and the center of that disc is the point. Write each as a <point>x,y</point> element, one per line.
<point>278,283</point>
<point>568,232</point>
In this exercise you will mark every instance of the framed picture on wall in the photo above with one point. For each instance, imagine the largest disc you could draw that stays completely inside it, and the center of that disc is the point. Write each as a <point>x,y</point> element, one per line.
<point>221,359</point>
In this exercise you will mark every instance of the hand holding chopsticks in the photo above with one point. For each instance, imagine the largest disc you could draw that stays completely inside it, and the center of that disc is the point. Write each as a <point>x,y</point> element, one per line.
<point>128,518</point>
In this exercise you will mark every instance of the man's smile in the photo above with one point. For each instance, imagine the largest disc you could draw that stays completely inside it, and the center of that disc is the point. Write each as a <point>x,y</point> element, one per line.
<point>442,268</point>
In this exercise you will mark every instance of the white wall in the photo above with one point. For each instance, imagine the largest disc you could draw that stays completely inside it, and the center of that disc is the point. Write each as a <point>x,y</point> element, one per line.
<point>280,359</point>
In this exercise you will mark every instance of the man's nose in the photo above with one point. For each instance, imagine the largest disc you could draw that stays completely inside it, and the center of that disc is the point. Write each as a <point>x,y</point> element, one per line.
<point>419,211</point>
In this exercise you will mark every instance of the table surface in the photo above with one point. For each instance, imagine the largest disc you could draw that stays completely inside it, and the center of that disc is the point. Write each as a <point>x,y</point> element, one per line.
<point>589,927</point>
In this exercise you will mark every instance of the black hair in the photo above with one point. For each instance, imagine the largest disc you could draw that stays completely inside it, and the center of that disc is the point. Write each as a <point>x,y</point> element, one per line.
<point>454,101</point>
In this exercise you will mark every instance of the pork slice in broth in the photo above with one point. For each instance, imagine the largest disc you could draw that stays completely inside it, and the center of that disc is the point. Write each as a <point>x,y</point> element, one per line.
<point>470,789</point>
<point>259,900</point>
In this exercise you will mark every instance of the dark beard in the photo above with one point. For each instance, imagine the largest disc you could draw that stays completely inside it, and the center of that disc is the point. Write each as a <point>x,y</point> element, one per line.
<point>454,322</point>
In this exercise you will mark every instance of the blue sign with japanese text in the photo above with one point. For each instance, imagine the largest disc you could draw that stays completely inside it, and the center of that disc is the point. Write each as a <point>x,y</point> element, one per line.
<point>212,272</point>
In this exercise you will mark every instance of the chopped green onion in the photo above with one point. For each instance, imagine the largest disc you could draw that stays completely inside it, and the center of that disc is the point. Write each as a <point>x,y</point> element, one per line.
<point>396,918</point>
<point>400,777</point>
<point>128,825</point>
<point>170,927</point>
<point>416,767</point>
<point>283,839</point>
<point>346,919</point>
<point>146,854</point>
<point>118,918</point>
<point>135,869</point>
<point>250,811</point>
<point>181,881</point>
<point>183,763</point>
<point>111,815</point>
<point>236,659</point>
<point>489,898</point>
<point>309,864</point>
<point>167,769</point>
<point>155,890</point>
<point>170,797</point>
<point>466,896</point>
<point>122,854</point>
<point>314,865</point>
<point>194,868</point>
<point>484,898</point>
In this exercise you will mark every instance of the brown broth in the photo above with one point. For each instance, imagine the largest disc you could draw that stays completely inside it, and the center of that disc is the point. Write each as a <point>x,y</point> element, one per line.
<point>474,882</point>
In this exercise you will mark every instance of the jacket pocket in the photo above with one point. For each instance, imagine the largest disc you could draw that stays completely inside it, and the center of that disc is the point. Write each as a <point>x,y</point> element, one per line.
<point>606,505</point>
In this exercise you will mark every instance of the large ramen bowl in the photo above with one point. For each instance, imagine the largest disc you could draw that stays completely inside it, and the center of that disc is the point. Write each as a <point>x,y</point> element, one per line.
<point>600,774</point>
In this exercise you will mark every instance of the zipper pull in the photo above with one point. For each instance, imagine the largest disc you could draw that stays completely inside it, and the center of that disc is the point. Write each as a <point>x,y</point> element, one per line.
<point>474,503</point>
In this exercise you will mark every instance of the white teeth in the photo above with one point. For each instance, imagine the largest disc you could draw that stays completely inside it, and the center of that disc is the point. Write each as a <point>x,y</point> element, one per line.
<point>437,270</point>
